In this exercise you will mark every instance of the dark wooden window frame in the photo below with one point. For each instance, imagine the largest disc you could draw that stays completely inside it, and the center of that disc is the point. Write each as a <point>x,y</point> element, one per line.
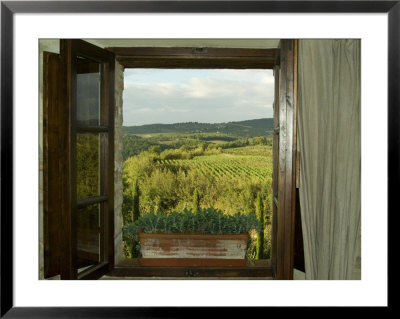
<point>284,63</point>
<point>69,204</point>
<point>284,199</point>
<point>195,58</point>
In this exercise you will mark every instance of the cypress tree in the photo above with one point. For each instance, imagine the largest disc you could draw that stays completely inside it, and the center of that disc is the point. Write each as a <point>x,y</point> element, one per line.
<point>260,235</point>
<point>196,201</point>
<point>135,215</point>
<point>135,201</point>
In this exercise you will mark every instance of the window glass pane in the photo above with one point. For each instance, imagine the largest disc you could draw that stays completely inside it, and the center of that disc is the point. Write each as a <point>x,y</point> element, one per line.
<point>88,236</point>
<point>88,92</point>
<point>88,165</point>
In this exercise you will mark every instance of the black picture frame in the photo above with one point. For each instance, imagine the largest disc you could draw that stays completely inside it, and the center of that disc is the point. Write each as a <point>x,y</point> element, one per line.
<point>9,8</point>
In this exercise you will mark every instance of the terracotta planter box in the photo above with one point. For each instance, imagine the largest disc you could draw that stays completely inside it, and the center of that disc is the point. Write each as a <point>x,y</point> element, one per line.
<point>178,250</point>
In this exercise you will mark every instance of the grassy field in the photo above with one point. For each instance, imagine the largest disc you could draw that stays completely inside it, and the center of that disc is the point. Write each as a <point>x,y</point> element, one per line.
<point>225,165</point>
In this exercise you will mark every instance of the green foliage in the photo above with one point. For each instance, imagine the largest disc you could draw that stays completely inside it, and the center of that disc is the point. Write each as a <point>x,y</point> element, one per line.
<point>260,235</point>
<point>135,201</point>
<point>188,146</point>
<point>87,159</point>
<point>222,182</point>
<point>242,166</point>
<point>251,150</point>
<point>196,201</point>
<point>267,241</point>
<point>131,212</point>
<point>134,145</point>
<point>222,167</point>
<point>155,149</point>
<point>227,179</point>
<point>205,221</point>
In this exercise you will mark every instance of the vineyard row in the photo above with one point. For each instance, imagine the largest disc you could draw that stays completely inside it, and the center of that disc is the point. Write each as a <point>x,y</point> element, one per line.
<point>219,168</point>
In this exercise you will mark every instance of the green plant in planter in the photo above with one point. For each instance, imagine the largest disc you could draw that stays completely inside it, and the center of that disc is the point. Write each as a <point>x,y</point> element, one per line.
<point>205,221</point>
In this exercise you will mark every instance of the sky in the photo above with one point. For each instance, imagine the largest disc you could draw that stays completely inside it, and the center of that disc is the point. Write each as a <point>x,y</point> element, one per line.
<point>196,95</point>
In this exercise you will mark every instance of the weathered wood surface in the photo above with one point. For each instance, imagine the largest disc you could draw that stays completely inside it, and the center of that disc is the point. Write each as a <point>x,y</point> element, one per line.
<point>53,164</point>
<point>187,57</point>
<point>193,250</point>
<point>191,262</point>
<point>287,160</point>
<point>252,268</point>
<point>73,245</point>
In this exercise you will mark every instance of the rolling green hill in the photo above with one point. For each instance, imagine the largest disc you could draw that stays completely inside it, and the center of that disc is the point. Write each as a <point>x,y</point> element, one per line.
<point>249,128</point>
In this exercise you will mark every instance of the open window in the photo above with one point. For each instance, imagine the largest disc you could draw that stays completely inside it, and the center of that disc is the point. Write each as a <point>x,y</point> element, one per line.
<point>79,118</point>
<point>79,161</point>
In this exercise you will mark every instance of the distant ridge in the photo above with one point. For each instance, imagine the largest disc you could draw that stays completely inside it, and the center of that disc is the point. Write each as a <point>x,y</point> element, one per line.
<point>248,128</point>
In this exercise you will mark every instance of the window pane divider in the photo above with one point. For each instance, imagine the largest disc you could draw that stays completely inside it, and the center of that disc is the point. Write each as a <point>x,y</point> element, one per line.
<point>93,129</point>
<point>91,200</point>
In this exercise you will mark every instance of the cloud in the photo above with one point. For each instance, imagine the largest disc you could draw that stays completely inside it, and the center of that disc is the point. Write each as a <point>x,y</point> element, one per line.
<point>217,96</point>
<point>144,110</point>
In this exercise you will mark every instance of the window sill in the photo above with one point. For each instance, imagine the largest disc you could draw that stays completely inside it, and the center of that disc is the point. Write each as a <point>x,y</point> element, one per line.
<point>130,269</point>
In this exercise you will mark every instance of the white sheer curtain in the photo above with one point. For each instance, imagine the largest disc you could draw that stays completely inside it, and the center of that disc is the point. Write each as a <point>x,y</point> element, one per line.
<point>330,155</point>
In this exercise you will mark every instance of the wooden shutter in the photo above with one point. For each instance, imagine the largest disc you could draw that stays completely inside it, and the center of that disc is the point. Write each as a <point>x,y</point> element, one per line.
<point>53,164</point>
<point>88,215</point>
<point>78,226</point>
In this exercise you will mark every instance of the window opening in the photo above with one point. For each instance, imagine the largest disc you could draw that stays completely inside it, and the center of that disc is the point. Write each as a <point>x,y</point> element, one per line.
<point>197,139</point>
<point>92,132</point>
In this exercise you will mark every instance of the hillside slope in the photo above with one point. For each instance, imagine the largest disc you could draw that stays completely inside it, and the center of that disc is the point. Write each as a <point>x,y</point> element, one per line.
<point>249,128</point>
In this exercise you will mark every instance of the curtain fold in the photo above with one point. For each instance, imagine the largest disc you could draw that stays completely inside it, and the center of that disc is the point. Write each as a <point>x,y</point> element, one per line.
<point>329,133</point>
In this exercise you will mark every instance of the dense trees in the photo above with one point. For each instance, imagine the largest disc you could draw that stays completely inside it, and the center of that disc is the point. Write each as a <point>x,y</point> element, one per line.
<point>249,128</point>
<point>135,201</point>
<point>88,161</point>
<point>185,146</point>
